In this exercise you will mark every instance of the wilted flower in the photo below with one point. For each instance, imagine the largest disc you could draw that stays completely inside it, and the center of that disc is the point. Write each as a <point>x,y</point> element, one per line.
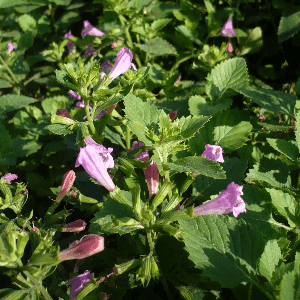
<point>173,114</point>
<point>213,152</point>
<point>75,226</point>
<point>227,29</point>
<point>78,282</point>
<point>74,95</point>
<point>10,177</point>
<point>91,30</point>
<point>229,48</point>
<point>228,201</point>
<point>11,47</point>
<point>152,177</point>
<point>67,183</point>
<point>123,63</point>
<point>144,156</point>
<point>87,246</point>
<point>63,113</point>
<point>89,50</point>
<point>96,159</point>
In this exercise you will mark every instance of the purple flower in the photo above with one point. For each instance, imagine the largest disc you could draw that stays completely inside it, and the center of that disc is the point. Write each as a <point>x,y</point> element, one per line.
<point>87,246</point>
<point>213,152</point>
<point>75,226</point>
<point>228,201</point>
<point>227,29</point>
<point>74,95</point>
<point>11,47</point>
<point>69,35</point>
<point>91,30</point>
<point>152,177</point>
<point>144,156</point>
<point>96,159</point>
<point>10,177</point>
<point>106,65</point>
<point>78,282</point>
<point>123,63</point>
<point>70,46</point>
<point>89,50</point>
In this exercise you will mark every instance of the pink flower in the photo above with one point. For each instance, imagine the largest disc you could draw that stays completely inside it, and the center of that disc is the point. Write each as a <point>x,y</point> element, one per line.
<point>91,30</point>
<point>89,50</point>
<point>67,183</point>
<point>123,63</point>
<point>63,113</point>
<point>75,226</point>
<point>10,177</point>
<point>178,79</point>
<point>144,156</point>
<point>228,201</point>
<point>114,45</point>
<point>87,246</point>
<point>78,282</point>
<point>213,152</point>
<point>74,95</point>
<point>96,159</point>
<point>227,30</point>
<point>229,48</point>
<point>152,177</point>
<point>11,47</point>
<point>69,35</point>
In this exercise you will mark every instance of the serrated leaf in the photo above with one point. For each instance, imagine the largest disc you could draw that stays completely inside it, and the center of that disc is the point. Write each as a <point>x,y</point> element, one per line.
<point>285,147</point>
<point>269,259</point>
<point>139,3</point>
<point>59,129</point>
<point>199,107</point>
<point>225,250</point>
<point>289,286</point>
<point>140,130</point>
<point>65,79</point>
<point>186,31</point>
<point>230,74</point>
<point>288,26</point>
<point>285,205</point>
<point>13,102</point>
<point>158,25</point>
<point>280,102</point>
<point>252,42</point>
<point>157,46</point>
<point>4,84</point>
<point>198,165</point>
<point>272,171</point>
<point>51,105</point>
<point>27,23</point>
<point>142,112</point>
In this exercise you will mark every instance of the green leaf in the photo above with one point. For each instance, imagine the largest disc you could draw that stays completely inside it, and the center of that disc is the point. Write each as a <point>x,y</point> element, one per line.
<point>26,40</point>
<point>27,23</point>
<point>140,130</point>
<point>224,249</point>
<point>199,107</point>
<point>199,165</point>
<point>186,31</point>
<point>13,102</point>
<point>289,286</point>
<point>158,25</point>
<point>252,42</point>
<point>59,129</point>
<point>279,102</point>
<point>288,148</point>
<point>24,146</point>
<point>139,3</point>
<point>230,74</point>
<point>4,84</point>
<point>272,171</point>
<point>297,133</point>
<point>51,105</point>
<point>157,46</point>
<point>285,205</point>
<point>65,79</point>
<point>137,110</point>
<point>5,139</point>
<point>114,137</point>
<point>269,259</point>
<point>14,295</point>
<point>20,68</point>
<point>288,26</point>
<point>9,3</point>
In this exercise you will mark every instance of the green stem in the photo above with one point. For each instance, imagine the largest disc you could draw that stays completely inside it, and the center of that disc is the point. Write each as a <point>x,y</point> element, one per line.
<point>90,122</point>
<point>150,241</point>
<point>129,40</point>
<point>9,70</point>
<point>128,135</point>
<point>165,167</point>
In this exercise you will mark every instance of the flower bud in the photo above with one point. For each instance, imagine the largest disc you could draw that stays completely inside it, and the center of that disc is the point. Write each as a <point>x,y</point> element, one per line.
<point>152,177</point>
<point>67,183</point>
<point>75,226</point>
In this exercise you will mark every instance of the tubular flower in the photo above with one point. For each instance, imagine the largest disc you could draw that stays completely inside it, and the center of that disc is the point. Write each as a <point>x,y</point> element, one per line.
<point>144,156</point>
<point>87,246</point>
<point>91,30</point>
<point>74,95</point>
<point>96,159</point>
<point>67,183</point>
<point>78,282</point>
<point>228,201</point>
<point>10,177</point>
<point>213,152</point>
<point>229,48</point>
<point>11,47</point>
<point>123,63</point>
<point>152,177</point>
<point>227,29</point>
<point>75,226</point>
<point>63,113</point>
